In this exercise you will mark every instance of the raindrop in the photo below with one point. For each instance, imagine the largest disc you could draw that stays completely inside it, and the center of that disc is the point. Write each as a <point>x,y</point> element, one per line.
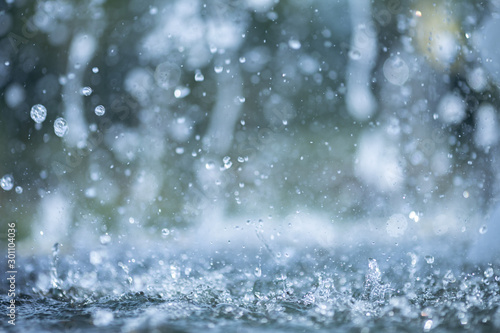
<point>429,259</point>
<point>7,182</point>
<point>38,113</point>
<point>86,91</point>
<point>100,110</point>
<point>483,229</point>
<point>428,325</point>
<point>95,70</point>
<point>198,76</point>
<point>294,44</point>
<point>60,127</point>
<point>181,92</point>
<point>218,69</point>
<point>179,150</point>
<point>449,277</point>
<point>165,232</point>
<point>209,165</point>
<point>396,70</point>
<point>167,75</point>
<point>488,272</point>
<point>105,239</point>
<point>258,272</point>
<point>19,189</point>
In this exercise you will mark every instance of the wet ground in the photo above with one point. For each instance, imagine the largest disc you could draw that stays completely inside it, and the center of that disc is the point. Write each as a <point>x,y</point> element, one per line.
<point>401,289</point>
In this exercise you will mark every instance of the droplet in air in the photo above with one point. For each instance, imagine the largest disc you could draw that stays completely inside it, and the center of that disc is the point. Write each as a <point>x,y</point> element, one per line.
<point>258,272</point>
<point>429,259</point>
<point>396,71</point>
<point>7,182</point>
<point>181,92</point>
<point>167,75</point>
<point>86,91</point>
<point>218,69</point>
<point>95,70</point>
<point>100,110</point>
<point>165,232</point>
<point>19,189</point>
<point>38,113</point>
<point>209,165</point>
<point>60,127</point>
<point>428,325</point>
<point>294,44</point>
<point>488,272</point>
<point>198,76</point>
<point>483,229</point>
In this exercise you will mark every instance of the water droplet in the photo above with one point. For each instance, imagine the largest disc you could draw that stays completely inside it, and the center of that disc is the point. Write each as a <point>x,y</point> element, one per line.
<point>354,54</point>
<point>294,44</point>
<point>174,272</point>
<point>488,272</point>
<point>209,165</point>
<point>167,75</point>
<point>218,69</point>
<point>105,239</point>
<point>165,232</point>
<point>153,10</point>
<point>258,272</point>
<point>95,70</point>
<point>242,60</point>
<point>60,127</point>
<point>449,277</point>
<point>181,92</point>
<point>483,229</point>
<point>7,182</point>
<point>198,76</point>
<point>100,110</point>
<point>179,150</point>
<point>38,113</point>
<point>19,189</point>
<point>428,325</point>
<point>86,91</point>
<point>429,259</point>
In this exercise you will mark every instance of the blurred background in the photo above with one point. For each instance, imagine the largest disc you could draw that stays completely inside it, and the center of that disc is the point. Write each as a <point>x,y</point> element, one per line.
<point>176,114</point>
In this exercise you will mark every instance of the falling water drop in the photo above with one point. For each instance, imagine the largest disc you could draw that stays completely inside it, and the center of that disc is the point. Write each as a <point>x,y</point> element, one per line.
<point>488,272</point>
<point>86,91</point>
<point>100,110</point>
<point>60,127</point>
<point>7,182</point>
<point>198,76</point>
<point>38,113</point>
